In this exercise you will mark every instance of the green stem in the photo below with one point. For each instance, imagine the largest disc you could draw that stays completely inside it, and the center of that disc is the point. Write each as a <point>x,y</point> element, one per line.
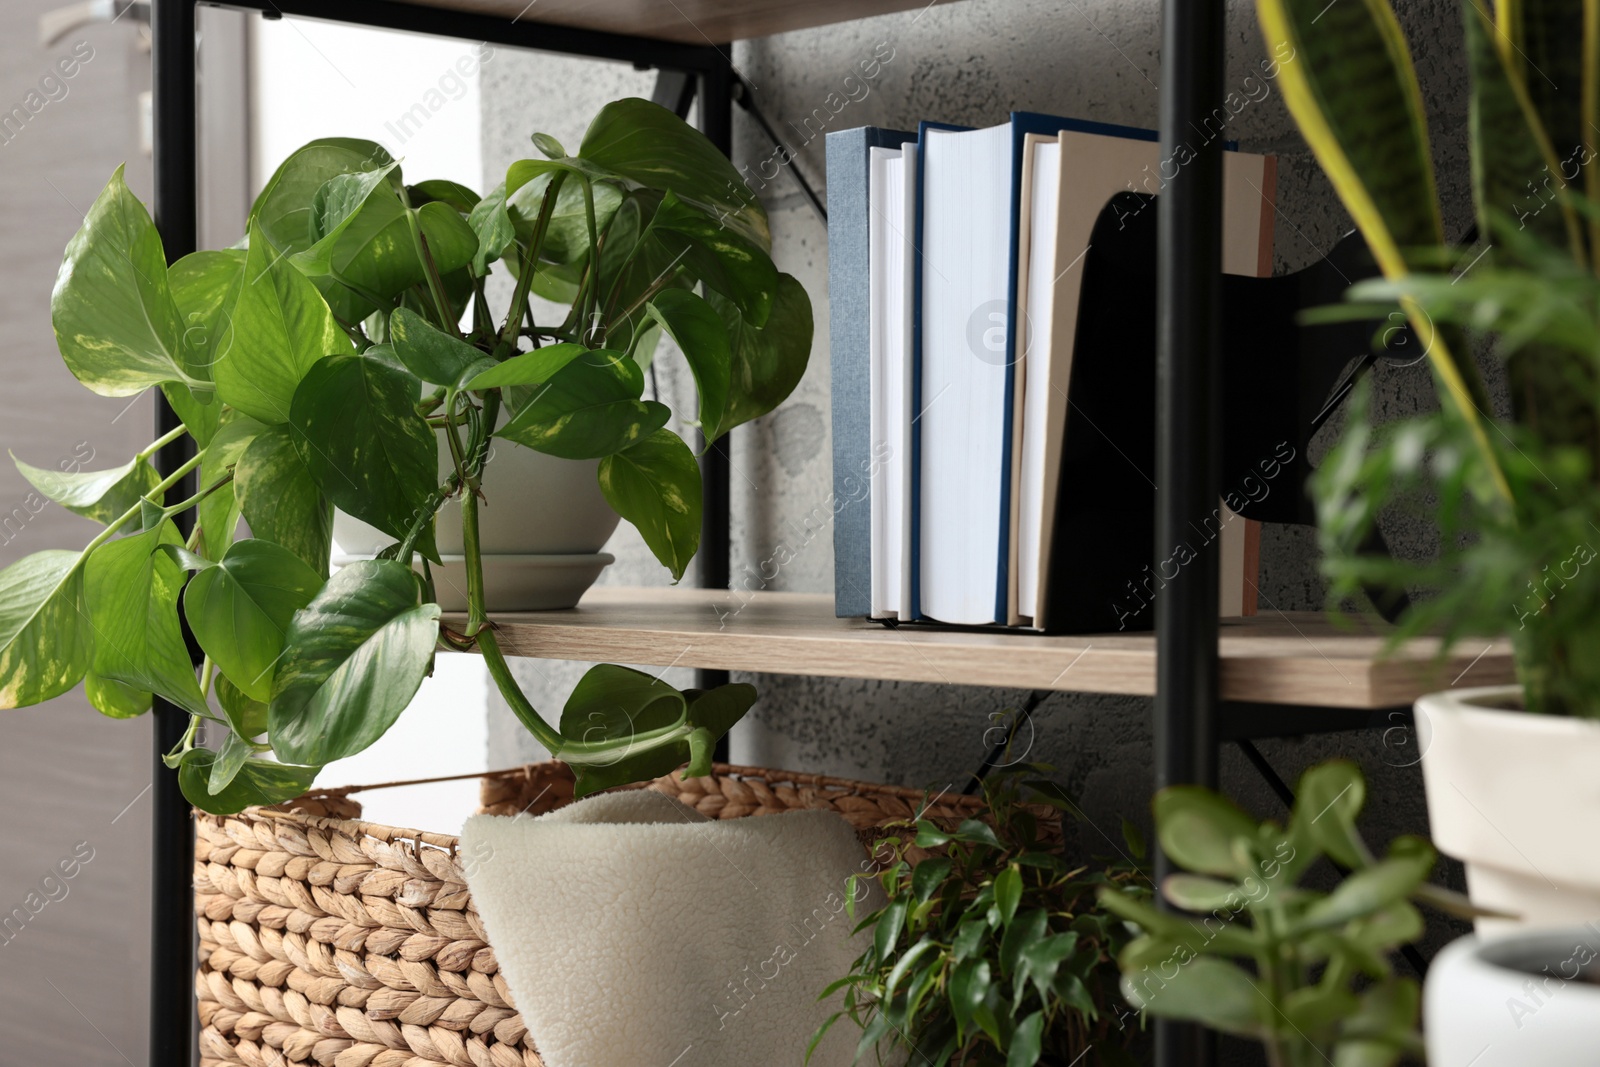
<point>592,301</point>
<point>500,671</point>
<point>529,263</point>
<point>447,320</point>
<point>477,616</point>
<point>184,505</point>
<point>161,442</point>
<point>128,516</point>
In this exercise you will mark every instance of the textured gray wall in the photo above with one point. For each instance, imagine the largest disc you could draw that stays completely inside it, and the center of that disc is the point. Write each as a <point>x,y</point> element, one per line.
<point>972,62</point>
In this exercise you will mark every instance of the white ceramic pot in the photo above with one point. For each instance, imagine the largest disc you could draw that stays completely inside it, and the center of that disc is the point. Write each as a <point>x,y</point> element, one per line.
<point>1510,1001</point>
<point>540,527</point>
<point>1516,797</point>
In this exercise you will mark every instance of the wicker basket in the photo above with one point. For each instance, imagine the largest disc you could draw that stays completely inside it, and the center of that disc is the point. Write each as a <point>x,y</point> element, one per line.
<point>329,941</point>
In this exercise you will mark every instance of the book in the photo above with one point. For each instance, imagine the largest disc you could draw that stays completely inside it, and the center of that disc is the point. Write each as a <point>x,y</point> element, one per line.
<point>850,340</point>
<point>1092,169</point>
<point>889,382</point>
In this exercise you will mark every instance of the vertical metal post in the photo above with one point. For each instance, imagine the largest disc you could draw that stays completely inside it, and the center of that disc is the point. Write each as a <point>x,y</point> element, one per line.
<point>716,122</point>
<point>172,856</point>
<point>1188,294</point>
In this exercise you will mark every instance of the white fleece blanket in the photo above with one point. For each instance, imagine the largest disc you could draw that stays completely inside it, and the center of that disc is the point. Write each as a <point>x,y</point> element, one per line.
<point>634,932</point>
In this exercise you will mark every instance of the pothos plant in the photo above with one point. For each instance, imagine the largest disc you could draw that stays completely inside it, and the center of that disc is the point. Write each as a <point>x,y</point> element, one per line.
<point>322,363</point>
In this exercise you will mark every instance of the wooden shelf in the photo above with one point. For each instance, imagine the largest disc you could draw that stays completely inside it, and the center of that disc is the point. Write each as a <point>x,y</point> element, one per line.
<point>1296,658</point>
<point>694,22</point>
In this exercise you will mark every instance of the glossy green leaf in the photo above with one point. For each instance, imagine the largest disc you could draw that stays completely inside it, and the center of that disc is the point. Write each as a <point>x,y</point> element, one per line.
<point>1026,1041</point>
<point>115,320</point>
<point>280,499</point>
<point>452,244</point>
<point>1204,990</point>
<point>530,368</point>
<point>365,445</point>
<point>720,258</point>
<point>700,335</point>
<point>257,781</point>
<point>1197,829</point>
<point>98,495</point>
<point>1007,893</point>
<point>247,717</point>
<point>45,640</point>
<point>969,987</point>
<point>282,328</point>
<point>203,284</point>
<point>712,713</point>
<point>113,699</point>
<point>1027,928</point>
<point>929,877</point>
<point>199,419</point>
<point>353,659</point>
<point>766,364</point>
<point>591,408</point>
<point>229,762</point>
<point>240,610</point>
<point>492,224</point>
<point>566,238</point>
<point>428,352</point>
<point>283,210</point>
<point>650,146</point>
<point>444,191</point>
<point>131,591</point>
<point>612,701</point>
<point>886,934</point>
<point>218,514</point>
<point>655,485</point>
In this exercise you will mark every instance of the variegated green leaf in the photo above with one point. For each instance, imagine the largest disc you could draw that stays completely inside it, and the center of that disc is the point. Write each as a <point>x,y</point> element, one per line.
<point>591,408</point>
<point>655,484</point>
<point>280,500</point>
<point>98,495</point>
<point>45,640</point>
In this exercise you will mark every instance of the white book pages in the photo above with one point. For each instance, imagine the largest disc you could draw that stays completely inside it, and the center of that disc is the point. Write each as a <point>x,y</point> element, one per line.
<point>886,370</point>
<point>966,251</point>
<point>899,460</point>
<point>1034,336</point>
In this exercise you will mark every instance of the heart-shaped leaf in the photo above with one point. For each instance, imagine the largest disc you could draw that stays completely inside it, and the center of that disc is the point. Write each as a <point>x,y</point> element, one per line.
<point>240,610</point>
<point>451,242</point>
<point>247,717</point>
<point>282,327</point>
<point>283,210</point>
<point>203,284</point>
<point>700,335</point>
<point>444,191</point>
<point>112,308</point>
<point>256,781</point>
<point>45,640</point>
<point>724,261</point>
<point>98,495</point>
<point>655,485</point>
<point>365,445</point>
<point>492,224</point>
<point>591,408</point>
<point>229,762</point>
<point>530,368</point>
<point>280,499</point>
<point>115,700</point>
<point>428,352</point>
<point>218,514</point>
<point>766,364</point>
<point>131,590</point>
<point>353,659</point>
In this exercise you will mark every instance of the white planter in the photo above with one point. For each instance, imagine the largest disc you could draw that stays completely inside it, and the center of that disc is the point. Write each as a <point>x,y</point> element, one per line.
<point>1516,797</point>
<point>1505,1002</point>
<point>540,527</point>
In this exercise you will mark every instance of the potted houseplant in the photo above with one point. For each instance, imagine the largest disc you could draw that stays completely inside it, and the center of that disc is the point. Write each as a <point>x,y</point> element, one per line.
<point>1306,973</point>
<point>990,949</point>
<point>1517,498</point>
<point>321,364</point>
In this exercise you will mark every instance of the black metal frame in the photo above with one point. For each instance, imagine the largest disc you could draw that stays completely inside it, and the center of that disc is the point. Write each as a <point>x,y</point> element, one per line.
<point>1190,722</point>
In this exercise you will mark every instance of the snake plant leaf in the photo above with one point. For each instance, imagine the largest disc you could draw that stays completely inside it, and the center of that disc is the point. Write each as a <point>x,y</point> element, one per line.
<point>724,261</point>
<point>1349,82</point>
<point>767,363</point>
<point>280,499</point>
<point>218,514</point>
<point>256,781</point>
<point>282,327</point>
<point>428,352</point>
<point>239,610</point>
<point>45,640</point>
<point>202,286</point>
<point>112,309</point>
<point>703,339</point>
<point>365,445</point>
<point>612,703</point>
<point>98,495</point>
<point>283,210</point>
<point>650,146</point>
<point>530,368</point>
<point>114,699</point>
<point>589,409</point>
<point>655,484</point>
<point>353,659</point>
<point>131,591</point>
<point>1515,169</point>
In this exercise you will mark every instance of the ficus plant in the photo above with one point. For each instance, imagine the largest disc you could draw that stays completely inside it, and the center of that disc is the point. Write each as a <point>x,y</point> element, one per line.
<point>329,360</point>
<point>1515,494</point>
<point>1307,973</point>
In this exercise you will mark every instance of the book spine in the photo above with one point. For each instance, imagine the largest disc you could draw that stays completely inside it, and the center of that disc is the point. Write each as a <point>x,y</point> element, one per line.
<point>849,339</point>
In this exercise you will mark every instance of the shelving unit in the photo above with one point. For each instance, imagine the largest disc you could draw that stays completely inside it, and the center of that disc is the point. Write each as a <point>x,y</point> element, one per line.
<point>1271,675</point>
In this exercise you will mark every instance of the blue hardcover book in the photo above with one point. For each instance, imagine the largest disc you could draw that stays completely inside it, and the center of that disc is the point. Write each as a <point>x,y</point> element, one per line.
<point>849,335</point>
